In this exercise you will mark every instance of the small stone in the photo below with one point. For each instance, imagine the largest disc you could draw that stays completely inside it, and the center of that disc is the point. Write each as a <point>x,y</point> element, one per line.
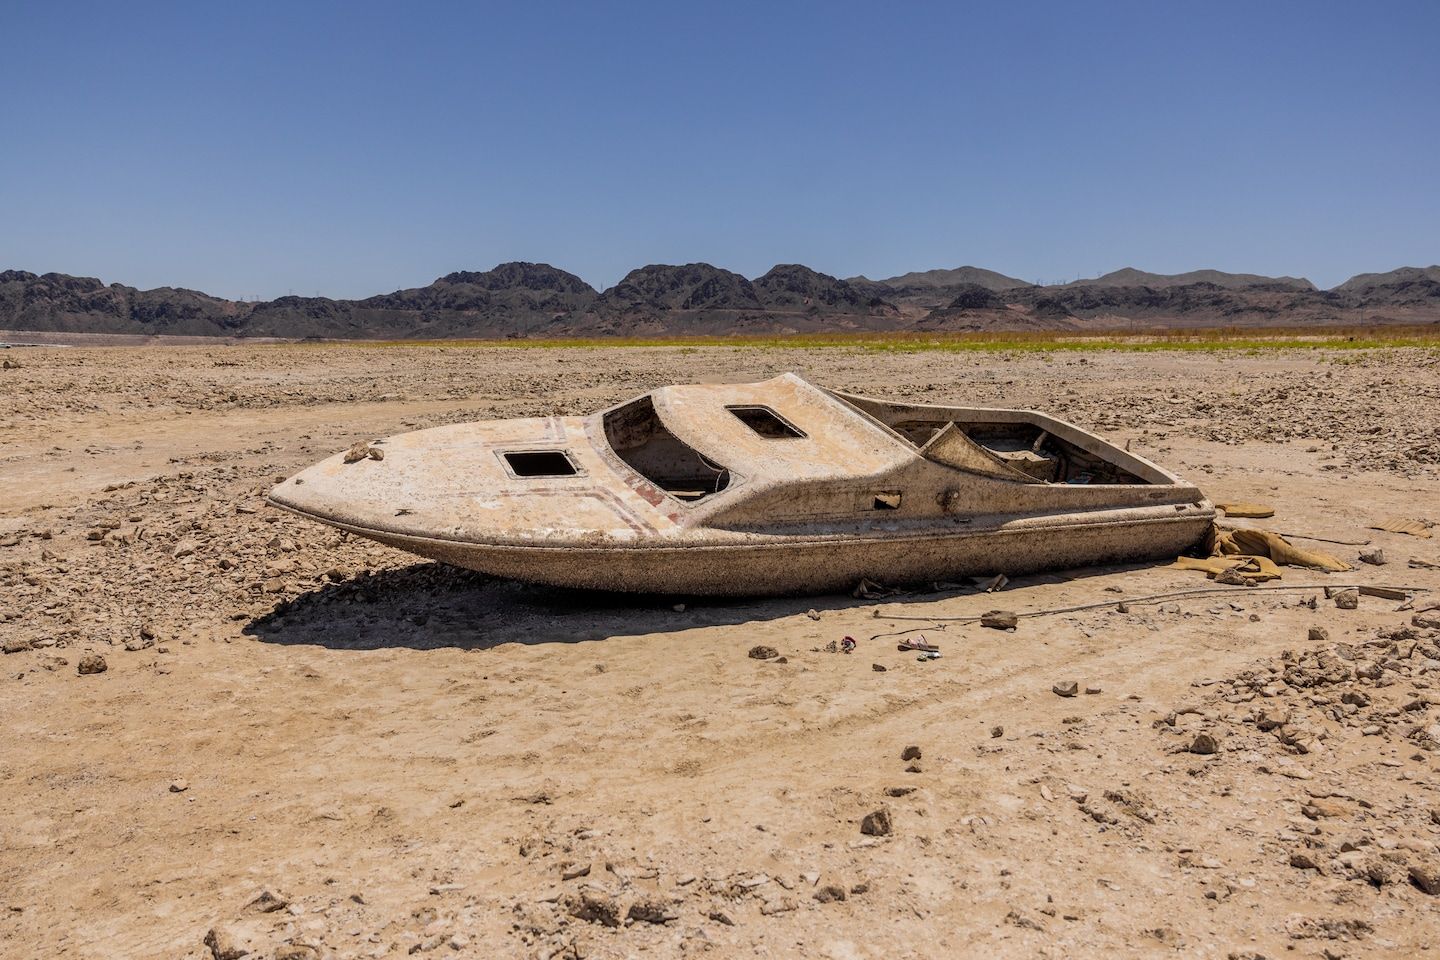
<point>184,548</point>
<point>813,614</point>
<point>1319,635</point>
<point>779,905</point>
<point>223,946</point>
<point>830,893</point>
<point>720,916</point>
<point>878,668</point>
<point>651,910</point>
<point>1426,876</point>
<point>877,823</point>
<point>1374,556</point>
<point>1091,689</point>
<point>1319,808</point>
<point>1272,720</point>
<point>762,652</point>
<point>595,907</point>
<point>92,663</point>
<point>180,785</point>
<point>1347,599</point>
<point>999,620</point>
<point>573,871</point>
<point>1204,744</point>
<point>15,645</point>
<point>358,452</point>
<point>1066,688</point>
<point>297,951</point>
<point>996,732</point>
<point>910,753</point>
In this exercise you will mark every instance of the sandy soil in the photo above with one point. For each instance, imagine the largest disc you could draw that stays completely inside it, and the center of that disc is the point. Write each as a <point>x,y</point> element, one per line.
<point>309,746</point>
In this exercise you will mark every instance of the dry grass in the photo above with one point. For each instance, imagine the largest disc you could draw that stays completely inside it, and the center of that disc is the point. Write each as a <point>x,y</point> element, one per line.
<point>1426,336</point>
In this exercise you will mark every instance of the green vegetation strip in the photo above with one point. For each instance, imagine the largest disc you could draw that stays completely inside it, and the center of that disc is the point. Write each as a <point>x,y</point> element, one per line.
<point>1329,338</point>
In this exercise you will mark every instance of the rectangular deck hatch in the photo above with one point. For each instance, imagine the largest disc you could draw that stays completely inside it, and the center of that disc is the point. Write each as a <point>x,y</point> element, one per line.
<point>767,422</point>
<point>540,463</point>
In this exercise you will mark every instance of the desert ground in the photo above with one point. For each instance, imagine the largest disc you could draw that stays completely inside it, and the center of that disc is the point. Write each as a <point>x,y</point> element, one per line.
<point>304,745</point>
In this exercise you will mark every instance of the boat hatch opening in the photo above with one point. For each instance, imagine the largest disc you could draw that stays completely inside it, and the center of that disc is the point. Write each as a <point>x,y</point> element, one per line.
<point>767,422</point>
<point>887,500</point>
<point>637,436</point>
<point>540,463</point>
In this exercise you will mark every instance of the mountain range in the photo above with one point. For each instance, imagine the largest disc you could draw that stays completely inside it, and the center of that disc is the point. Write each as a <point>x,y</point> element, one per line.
<point>539,300</point>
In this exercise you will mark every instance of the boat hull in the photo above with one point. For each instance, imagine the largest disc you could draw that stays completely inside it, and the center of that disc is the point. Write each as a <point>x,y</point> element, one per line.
<point>769,566</point>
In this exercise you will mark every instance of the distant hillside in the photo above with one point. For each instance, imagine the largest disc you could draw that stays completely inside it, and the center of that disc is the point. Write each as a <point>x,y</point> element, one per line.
<point>1362,281</point>
<point>1130,277</point>
<point>536,299</point>
<point>979,276</point>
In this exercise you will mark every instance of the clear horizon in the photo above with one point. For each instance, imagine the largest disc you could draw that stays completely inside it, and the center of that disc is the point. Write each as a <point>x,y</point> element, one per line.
<point>353,149</point>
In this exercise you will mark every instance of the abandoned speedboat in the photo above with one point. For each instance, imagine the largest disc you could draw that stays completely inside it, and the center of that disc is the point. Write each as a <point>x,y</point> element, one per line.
<point>759,488</point>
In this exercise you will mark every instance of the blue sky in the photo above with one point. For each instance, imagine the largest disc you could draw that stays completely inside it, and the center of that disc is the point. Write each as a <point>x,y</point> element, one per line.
<point>352,148</point>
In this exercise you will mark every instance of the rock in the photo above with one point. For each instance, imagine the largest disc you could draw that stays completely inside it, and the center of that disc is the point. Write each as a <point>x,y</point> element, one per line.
<point>651,910</point>
<point>1374,556</point>
<point>297,951</point>
<point>1426,876</point>
<point>223,945</point>
<point>180,785</point>
<point>1347,599</point>
<point>358,452</point>
<point>572,871</point>
<point>899,791</point>
<point>996,732</point>
<point>877,823</point>
<point>877,668</point>
<point>830,893</point>
<point>1304,860</point>
<point>779,905</point>
<point>92,663</point>
<point>1204,744</point>
<point>596,907</point>
<point>1319,635</point>
<point>813,614</point>
<point>910,753</point>
<point>1066,688</point>
<point>999,620</point>
<point>762,652</point>
<point>1091,689</point>
<point>15,645</point>
<point>1272,719</point>
<point>184,548</point>
<point>1319,808</point>
<point>1429,620</point>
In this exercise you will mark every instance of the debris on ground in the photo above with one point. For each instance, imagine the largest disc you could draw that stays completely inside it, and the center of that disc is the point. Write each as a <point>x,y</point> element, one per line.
<point>1000,620</point>
<point>1255,511</point>
<point>1412,528</point>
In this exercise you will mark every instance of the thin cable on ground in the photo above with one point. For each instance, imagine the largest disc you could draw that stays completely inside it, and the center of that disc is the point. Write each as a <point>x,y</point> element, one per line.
<point>940,622</point>
<point>1346,543</point>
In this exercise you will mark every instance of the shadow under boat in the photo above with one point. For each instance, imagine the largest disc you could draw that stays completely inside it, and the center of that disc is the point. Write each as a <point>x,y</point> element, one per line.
<point>428,606</point>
